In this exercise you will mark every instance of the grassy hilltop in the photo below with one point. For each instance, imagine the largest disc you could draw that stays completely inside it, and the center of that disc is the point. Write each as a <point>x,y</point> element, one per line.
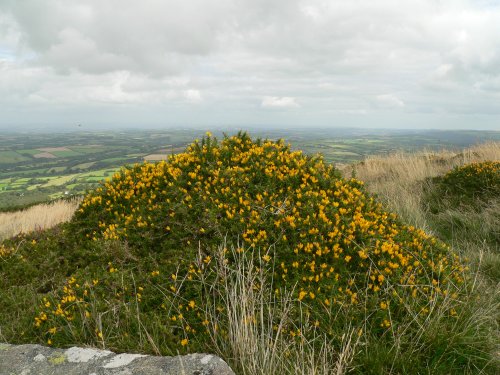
<point>275,260</point>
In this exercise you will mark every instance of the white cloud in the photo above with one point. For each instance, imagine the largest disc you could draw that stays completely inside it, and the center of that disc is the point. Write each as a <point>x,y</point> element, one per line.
<point>193,96</point>
<point>338,57</point>
<point>279,102</point>
<point>389,101</point>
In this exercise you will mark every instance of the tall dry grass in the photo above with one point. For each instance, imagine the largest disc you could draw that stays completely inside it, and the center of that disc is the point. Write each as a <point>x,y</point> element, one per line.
<point>253,338</point>
<point>399,179</point>
<point>246,325</point>
<point>41,216</point>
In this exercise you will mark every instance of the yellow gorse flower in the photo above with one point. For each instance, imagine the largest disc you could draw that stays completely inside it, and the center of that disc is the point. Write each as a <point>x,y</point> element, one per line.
<point>329,237</point>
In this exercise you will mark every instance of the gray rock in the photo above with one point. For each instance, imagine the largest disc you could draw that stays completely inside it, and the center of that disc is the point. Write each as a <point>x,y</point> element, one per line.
<point>41,360</point>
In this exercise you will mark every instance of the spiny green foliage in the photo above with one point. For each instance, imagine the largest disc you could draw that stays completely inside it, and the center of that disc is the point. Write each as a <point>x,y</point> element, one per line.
<point>324,236</point>
<point>144,257</point>
<point>465,203</point>
<point>467,186</point>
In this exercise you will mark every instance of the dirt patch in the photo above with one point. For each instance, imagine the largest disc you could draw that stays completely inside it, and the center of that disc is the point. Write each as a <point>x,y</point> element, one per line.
<point>52,149</point>
<point>156,157</point>
<point>46,155</point>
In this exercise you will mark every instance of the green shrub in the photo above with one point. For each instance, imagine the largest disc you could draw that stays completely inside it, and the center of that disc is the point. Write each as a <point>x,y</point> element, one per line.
<point>464,204</point>
<point>306,257</point>
<point>320,233</point>
<point>468,186</point>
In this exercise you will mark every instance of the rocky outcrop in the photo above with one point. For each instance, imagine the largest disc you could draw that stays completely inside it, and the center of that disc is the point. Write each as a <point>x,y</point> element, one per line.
<point>41,360</point>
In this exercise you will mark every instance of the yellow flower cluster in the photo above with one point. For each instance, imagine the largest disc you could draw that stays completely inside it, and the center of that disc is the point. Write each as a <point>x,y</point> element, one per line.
<point>476,169</point>
<point>328,237</point>
<point>77,302</point>
<point>74,299</point>
<point>474,178</point>
<point>5,251</point>
<point>465,185</point>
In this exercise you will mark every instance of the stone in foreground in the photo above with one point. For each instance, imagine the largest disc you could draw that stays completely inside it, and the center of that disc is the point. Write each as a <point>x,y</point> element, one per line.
<point>41,360</point>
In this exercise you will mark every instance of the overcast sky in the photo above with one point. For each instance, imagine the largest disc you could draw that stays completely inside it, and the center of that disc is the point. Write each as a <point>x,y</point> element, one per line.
<point>364,63</point>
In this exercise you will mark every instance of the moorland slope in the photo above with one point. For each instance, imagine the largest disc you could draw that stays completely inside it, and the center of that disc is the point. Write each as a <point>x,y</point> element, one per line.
<point>274,261</point>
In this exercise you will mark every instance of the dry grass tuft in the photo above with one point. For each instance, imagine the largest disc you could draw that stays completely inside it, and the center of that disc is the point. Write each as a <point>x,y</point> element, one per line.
<point>398,179</point>
<point>39,217</point>
<point>255,318</point>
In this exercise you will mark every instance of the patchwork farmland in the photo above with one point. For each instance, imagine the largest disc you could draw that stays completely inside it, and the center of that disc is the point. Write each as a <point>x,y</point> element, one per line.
<point>37,167</point>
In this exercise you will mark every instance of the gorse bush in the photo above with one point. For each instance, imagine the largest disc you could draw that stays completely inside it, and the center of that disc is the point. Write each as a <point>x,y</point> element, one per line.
<point>463,203</point>
<point>321,236</point>
<point>468,186</point>
<point>265,256</point>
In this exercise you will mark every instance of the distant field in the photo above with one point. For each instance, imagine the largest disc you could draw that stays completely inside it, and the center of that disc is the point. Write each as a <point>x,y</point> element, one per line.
<point>83,166</point>
<point>42,167</point>
<point>52,149</point>
<point>89,149</point>
<point>29,152</point>
<point>156,157</point>
<point>62,154</point>
<point>22,191</point>
<point>60,180</point>
<point>7,157</point>
<point>46,155</point>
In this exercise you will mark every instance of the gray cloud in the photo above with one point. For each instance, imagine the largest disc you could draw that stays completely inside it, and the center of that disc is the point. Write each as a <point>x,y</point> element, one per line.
<point>233,60</point>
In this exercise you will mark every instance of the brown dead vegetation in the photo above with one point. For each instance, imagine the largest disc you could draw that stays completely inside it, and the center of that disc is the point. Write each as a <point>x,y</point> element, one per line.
<point>399,178</point>
<point>37,217</point>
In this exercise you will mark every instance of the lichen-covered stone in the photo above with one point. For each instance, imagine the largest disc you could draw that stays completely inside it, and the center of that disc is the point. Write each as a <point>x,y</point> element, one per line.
<point>41,360</point>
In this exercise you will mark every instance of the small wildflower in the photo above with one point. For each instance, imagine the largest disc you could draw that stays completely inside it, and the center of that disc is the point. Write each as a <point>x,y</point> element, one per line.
<point>302,294</point>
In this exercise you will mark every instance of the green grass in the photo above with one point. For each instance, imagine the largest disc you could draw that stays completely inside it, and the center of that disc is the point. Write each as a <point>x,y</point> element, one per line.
<point>88,149</point>
<point>11,157</point>
<point>57,169</point>
<point>100,172</point>
<point>95,178</point>
<point>62,154</point>
<point>113,160</point>
<point>33,187</point>
<point>60,181</point>
<point>134,155</point>
<point>342,153</point>
<point>28,173</point>
<point>48,186</point>
<point>83,166</point>
<point>29,152</point>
